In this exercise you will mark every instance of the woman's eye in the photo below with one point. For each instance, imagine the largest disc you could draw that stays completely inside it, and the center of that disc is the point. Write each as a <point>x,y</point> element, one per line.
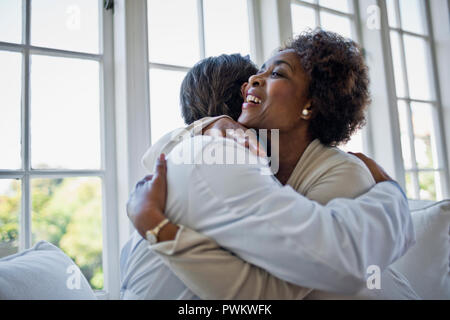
<point>276,74</point>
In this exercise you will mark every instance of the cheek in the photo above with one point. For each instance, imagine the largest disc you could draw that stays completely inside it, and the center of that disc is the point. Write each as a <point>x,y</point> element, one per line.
<point>285,102</point>
<point>280,94</point>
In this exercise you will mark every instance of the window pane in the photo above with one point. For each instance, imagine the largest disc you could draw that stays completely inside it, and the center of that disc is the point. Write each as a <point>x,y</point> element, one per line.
<point>165,109</point>
<point>424,140</point>
<point>427,186</point>
<point>340,5</point>
<point>335,23</point>
<point>405,139</point>
<point>65,113</point>
<point>173,32</point>
<point>10,109</point>
<point>392,13</point>
<point>10,200</point>
<point>226,27</point>
<point>302,18</point>
<point>417,64</point>
<point>412,14</point>
<point>68,213</point>
<point>398,66</point>
<point>355,144</point>
<point>66,24</point>
<point>11,21</point>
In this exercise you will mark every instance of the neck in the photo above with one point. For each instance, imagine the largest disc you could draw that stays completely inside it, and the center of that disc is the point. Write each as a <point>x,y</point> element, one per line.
<point>292,146</point>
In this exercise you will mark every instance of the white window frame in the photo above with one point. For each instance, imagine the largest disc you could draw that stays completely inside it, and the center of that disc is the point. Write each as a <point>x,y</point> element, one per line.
<point>436,104</point>
<point>106,173</point>
<point>352,15</point>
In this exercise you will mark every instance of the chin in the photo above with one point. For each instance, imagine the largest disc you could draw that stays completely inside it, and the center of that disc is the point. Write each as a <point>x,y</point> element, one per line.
<point>247,120</point>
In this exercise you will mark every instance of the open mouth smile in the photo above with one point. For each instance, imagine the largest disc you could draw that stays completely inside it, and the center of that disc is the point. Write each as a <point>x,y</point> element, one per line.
<point>253,99</point>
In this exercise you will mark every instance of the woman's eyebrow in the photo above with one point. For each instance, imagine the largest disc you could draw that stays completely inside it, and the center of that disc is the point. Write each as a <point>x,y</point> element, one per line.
<point>278,62</point>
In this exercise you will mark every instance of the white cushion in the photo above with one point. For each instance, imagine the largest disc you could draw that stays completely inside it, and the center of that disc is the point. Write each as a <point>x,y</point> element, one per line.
<point>427,264</point>
<point>42,272</point>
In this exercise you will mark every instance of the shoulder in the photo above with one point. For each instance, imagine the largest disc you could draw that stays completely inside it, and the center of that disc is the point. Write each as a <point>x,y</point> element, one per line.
<point>339,175</point>
<point>343,162</point>
<point>218,165</point>
<point>164,145</point>
<point>170,140</point>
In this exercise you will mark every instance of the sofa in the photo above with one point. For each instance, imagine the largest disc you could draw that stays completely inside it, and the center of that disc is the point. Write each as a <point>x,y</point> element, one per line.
<point>45,272</point>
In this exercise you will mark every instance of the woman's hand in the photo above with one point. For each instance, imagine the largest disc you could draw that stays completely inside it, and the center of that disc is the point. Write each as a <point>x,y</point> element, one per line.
<point>147,203</point>
<point>228,128</point>
<point>377,171</point>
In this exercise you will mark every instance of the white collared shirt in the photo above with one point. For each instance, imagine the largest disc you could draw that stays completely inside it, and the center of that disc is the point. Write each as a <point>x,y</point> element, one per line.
<point>273,227</point>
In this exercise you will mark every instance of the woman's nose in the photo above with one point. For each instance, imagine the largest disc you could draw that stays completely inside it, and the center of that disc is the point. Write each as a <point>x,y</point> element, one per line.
<point>256,81</point>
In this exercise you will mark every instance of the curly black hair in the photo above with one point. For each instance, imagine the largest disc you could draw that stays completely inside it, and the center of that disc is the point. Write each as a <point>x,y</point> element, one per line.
<point>339,84</point>
<point>213,87</point>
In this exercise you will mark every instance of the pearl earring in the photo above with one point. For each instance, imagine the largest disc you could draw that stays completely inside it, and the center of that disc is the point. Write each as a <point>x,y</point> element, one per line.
<point>305,112</point>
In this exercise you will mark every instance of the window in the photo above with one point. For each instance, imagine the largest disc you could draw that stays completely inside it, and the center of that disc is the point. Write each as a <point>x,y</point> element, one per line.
<point>339,16</point>
<point>416,99</point>
<point>52,130</point>
<point>180,33</point>
<point>334,15</point>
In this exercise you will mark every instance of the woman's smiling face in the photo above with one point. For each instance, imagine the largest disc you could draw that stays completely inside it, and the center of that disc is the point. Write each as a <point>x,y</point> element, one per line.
<point>275,97</point>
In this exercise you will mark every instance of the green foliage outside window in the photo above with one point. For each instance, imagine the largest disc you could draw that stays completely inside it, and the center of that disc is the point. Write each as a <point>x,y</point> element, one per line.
<point>65,212</point>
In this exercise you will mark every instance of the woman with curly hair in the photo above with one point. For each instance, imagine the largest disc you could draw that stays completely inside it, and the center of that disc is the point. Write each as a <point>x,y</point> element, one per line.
<point>315,92</point>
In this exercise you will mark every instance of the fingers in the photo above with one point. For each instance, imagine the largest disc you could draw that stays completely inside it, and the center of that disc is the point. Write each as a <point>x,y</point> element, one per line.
<point>214,133</point>
<point>367,161</point>
<point>376,170</point>
<point>362,157</point>
<point>249,140</point>
<point>255,147</point>
<point>161,165</point>
<point>359,155</point>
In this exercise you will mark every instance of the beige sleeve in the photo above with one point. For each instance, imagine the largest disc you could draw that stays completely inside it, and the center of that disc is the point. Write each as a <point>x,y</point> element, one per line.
<point>214,273</point>
<point>346,180</point>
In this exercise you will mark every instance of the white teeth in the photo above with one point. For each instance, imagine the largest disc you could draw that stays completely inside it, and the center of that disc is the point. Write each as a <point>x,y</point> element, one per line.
<point>253,99</point>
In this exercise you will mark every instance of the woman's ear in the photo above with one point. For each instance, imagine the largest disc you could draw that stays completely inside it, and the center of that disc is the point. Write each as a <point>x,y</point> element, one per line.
<point>244,85</point>
<point>307,111</point>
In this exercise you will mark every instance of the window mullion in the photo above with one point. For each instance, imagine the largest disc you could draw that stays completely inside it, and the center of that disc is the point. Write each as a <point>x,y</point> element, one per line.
<point>201,28</point>
<point>318,19</point>
<point>64,53</point>
<point>110,212</point>
<point>25,218</point>
<point>415,178</point>
<point>357,26</point>
<point>168,67</point>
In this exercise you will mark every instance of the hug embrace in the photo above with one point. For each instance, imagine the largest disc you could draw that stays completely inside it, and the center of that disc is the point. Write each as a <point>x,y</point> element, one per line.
<point>312,229</point>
